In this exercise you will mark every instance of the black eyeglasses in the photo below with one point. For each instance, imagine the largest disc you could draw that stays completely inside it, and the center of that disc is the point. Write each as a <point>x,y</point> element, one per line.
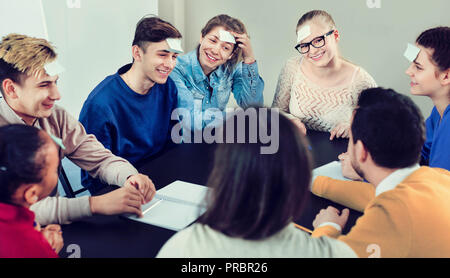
<point>317,42</point>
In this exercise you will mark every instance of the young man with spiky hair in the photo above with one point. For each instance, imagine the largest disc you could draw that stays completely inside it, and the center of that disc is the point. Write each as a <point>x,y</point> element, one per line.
<point>28,76</point>
<point>130,111</point>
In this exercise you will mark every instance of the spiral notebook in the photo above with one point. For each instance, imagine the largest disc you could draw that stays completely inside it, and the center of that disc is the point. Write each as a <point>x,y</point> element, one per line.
<point>174,206</point>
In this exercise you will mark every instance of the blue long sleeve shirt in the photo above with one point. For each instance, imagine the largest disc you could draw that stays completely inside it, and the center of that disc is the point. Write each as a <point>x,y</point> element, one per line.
<point>131,125</point>
<point>436,150</point>
<point>197,93</point>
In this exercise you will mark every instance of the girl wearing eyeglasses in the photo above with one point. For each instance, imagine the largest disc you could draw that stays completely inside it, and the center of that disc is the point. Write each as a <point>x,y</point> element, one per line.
<point>318,89</point>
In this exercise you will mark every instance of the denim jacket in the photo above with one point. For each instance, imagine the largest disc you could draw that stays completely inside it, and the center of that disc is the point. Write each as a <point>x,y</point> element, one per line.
<point>194,87</point>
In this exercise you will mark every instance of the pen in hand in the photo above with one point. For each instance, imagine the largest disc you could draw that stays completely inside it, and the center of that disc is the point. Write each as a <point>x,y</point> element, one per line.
<point>152,206</point>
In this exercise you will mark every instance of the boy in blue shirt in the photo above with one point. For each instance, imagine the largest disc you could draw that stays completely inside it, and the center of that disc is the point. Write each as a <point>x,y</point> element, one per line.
<point>430,76</point>
<point>130,111</point>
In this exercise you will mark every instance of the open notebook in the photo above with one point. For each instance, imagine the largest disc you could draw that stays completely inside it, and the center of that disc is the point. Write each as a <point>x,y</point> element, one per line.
<point>332,170</point>
<point>174,206</point>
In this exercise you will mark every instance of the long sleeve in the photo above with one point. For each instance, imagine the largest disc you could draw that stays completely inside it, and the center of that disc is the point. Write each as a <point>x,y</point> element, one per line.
<point>89,154</point>
<point>188,97</point>
<point>191,101</point>
<point>201,241</point>
<point>95,121</point>
<point>185,96</point>
<point>326,230</point>
<point>362,81</point>
<point>173,123</point>
<point>18,237</point>
<point>248,86</point>
<point>353,194</point>
<point>283,90</point>
<point>61,210</point>
<point>385,230</point>
<point>441,150</point>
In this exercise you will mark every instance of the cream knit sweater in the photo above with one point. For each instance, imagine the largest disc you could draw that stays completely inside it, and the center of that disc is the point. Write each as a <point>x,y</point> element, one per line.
<point>319,108</point>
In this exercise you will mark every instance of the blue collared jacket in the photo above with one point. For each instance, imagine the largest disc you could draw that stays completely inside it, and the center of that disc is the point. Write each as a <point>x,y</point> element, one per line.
<point>194,87</point>
<point>436,150</point>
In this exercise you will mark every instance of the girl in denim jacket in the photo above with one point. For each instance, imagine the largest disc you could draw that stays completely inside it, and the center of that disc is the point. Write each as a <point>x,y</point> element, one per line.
<point>223,62</point>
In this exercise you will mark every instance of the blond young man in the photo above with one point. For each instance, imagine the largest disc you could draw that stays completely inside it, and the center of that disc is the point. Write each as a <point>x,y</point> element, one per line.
<point>29,91</point>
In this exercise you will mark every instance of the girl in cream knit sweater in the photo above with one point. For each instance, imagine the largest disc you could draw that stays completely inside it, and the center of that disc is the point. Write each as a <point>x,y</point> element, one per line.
<point>319,89</point>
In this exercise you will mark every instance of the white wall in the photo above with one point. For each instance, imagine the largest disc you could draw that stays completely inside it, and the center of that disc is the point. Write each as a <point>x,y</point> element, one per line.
<point>12,14</point>
<point>373,38</point>
<point>92,41</point>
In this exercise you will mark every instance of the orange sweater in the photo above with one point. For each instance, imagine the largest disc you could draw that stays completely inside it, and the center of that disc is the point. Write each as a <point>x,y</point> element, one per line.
<point>411,220</point>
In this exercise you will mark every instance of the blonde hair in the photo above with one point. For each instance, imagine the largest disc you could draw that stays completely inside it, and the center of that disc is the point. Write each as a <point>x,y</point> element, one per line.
<point>26,54</point>
<point>326,17</point>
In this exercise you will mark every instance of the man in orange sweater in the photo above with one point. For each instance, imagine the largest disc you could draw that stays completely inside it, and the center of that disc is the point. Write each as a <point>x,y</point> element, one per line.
<point>406,207</point>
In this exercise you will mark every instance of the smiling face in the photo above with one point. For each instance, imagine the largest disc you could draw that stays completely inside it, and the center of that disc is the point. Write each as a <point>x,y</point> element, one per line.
<point>34,98</point>
<point>214,52</point>
<point>157,62</point>
<point>322,56</point>
<point>424,74</point>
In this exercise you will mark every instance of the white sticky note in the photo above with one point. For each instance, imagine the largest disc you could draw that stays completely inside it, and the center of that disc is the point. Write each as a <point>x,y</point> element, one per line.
<point>54,68</point>
<point>226,36</point>
<point>411,52</point>
<point>303,33</point>
<point>174,45</point>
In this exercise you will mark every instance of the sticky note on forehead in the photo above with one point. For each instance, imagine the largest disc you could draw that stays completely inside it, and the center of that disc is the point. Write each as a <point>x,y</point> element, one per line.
<point>174,45</point>
<point>54,68</point>
<point>303,33</point>
<point>411,52</point>
<point>226,36</point>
